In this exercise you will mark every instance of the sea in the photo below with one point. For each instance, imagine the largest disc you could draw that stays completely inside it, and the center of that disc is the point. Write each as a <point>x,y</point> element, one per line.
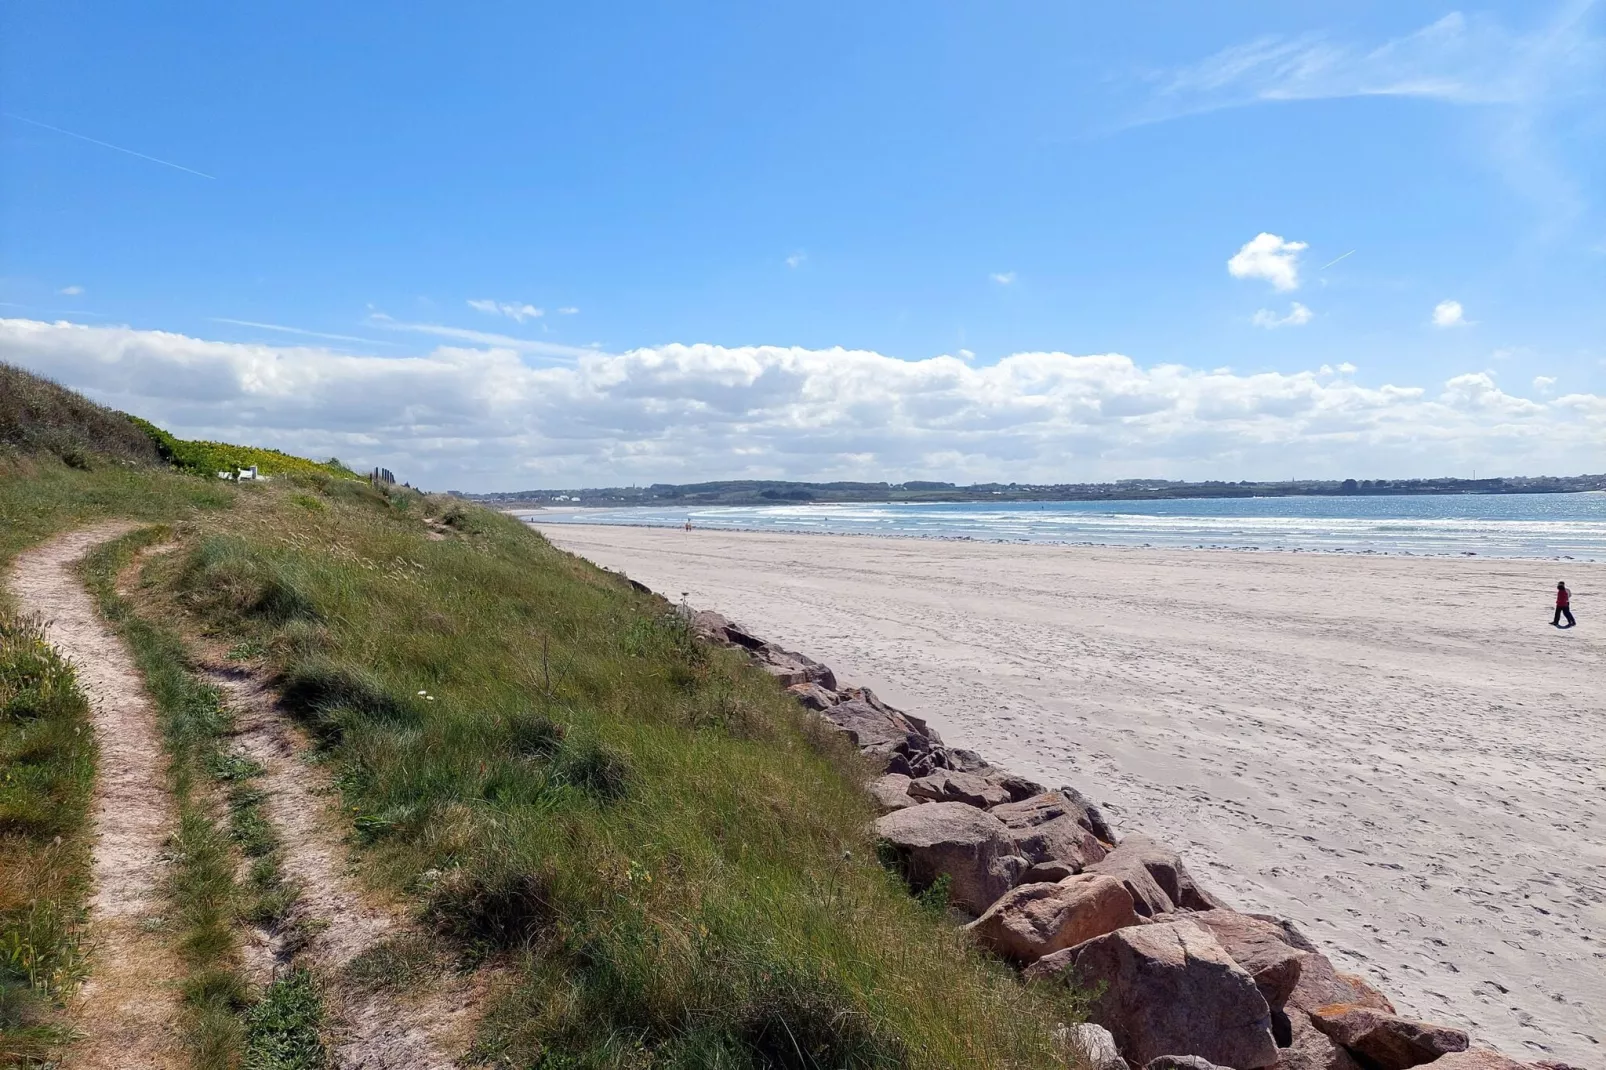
<point>1563,526</point>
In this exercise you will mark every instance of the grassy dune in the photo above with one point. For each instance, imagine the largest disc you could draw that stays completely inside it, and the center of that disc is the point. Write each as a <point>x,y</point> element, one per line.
<point>670,850</point>
<point>666,857</point>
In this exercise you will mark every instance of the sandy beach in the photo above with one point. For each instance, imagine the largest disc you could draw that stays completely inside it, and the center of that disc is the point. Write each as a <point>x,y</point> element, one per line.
<point>1398,753</point>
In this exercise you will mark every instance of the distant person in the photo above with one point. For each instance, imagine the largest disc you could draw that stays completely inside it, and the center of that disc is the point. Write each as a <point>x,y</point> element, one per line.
<point>688,523</point>
<point>1564,599</point>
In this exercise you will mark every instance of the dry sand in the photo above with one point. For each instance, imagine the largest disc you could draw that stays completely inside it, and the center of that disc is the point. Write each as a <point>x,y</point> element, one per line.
<point>1399,753</point>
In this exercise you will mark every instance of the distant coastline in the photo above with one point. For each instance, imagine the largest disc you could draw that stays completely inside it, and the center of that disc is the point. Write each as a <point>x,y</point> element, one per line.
<point>782,492</point>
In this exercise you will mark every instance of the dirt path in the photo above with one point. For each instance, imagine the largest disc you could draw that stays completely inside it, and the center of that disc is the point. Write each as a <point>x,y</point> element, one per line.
<point>129,1004</point>
<point>375,1029</point>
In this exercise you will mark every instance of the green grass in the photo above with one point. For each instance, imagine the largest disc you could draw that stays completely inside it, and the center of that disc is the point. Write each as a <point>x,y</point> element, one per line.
<point>39,417</point>
<point>282,1029</point>
<point>47,768</point>
<point>670,853</point>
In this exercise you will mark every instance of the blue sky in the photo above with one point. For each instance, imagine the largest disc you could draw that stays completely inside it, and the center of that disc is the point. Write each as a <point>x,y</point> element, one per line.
<point>670,216</point>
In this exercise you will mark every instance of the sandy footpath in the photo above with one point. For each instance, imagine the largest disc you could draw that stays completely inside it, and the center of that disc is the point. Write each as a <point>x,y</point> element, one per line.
<point>1399,753</point>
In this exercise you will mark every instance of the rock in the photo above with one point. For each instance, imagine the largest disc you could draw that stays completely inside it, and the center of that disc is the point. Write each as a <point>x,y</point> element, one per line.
<point>1310,1049</point>
<point>1092,1046</point>
<point>1049,828</point>
<point>815,697</point>
<point>891,792</point>
<point>1155,876</point>
<point>967,788</point>
<point>1020,789</point>
<point>725,632</point>
<point>883,734</point>
<point>1180,1062</point>
<point>966,761</point>
<point>1386,1040</point>
<point>1485,1059</point>
<point>1034,920</point>
<point>1091,818</point>
<point>1321,984</point>
<point>791,668</point>
<point>1048,873</point>
<point>971,846</point>
<point>1260,947</point>
<point>1169,989</point>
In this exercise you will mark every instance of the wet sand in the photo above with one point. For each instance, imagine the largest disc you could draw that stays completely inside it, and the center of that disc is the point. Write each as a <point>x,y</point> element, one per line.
<point>1398,753</point>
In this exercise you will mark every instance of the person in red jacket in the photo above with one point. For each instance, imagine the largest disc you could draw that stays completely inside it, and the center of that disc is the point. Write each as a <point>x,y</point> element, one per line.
<point>1564,599</point>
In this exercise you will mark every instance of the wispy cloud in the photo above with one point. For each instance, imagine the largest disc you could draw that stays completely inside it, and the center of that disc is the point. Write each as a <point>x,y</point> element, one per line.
<point>516,311</point>
<point>70,291</point>
<point>796,259</point>
<point>299,331</point>
<point>108,145</point>
<point>1298,316</point>
<point>568,310</point>
<point>1003,278</point>
<point>1543,89</point>
<point>1459,59</point>
<point>1269,257</point>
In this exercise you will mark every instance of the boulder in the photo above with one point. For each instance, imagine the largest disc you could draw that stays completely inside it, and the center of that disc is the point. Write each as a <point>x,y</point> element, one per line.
<point>1260,947</point>
<point>791,668</point>
<point>1169,989</point>
<point>1321,984</point>
<point>815,697</point>
<point>966,761</point>
<point>1048,873</point>
<point>1020,789</point>
<point>972,847</point>
<point>1051,828</point>
<point>1092,1047</point>
<point>712,626</point>
<point>890,792</point>
<point>967,788</point>
<point>1309,1048</point>
<point>1034,920</point>
<point>1092,819</point>
<point>1386,1040</point>
<point>1485,1059</point>
<point>1180,1062</point>
<point>883,734</point>
<point>1155,876</point>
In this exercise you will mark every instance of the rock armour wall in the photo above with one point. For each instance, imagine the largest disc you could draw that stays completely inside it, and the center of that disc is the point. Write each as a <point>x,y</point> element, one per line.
<point>1187,981</point>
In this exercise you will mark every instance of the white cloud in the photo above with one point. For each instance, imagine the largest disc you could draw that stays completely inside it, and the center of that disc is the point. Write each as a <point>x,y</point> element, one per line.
<point>481,417</point>
<point>1449,314</point>
<point>513,311</point>
<point>70,291</point>
<point>568,310</point>
<point>796,259</point>
<point>1269,257</point>
<point>1003,278</point>
<point>1298,316</point>
<point>1544,384</point>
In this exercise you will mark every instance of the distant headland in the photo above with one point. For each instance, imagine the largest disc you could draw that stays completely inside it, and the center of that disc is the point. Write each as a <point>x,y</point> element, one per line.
<point>781,492</point>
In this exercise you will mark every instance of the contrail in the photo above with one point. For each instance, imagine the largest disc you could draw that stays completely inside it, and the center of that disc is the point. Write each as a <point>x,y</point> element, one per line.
<point>109,145</point>
<point>1333,261</point>
<point>298,330</point>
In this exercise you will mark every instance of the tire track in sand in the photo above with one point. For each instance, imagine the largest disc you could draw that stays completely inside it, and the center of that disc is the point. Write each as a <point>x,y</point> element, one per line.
<point>128,1007</point>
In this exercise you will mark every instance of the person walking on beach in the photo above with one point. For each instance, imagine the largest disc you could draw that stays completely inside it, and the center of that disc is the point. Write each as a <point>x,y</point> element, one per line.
<point>1564,600</point>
